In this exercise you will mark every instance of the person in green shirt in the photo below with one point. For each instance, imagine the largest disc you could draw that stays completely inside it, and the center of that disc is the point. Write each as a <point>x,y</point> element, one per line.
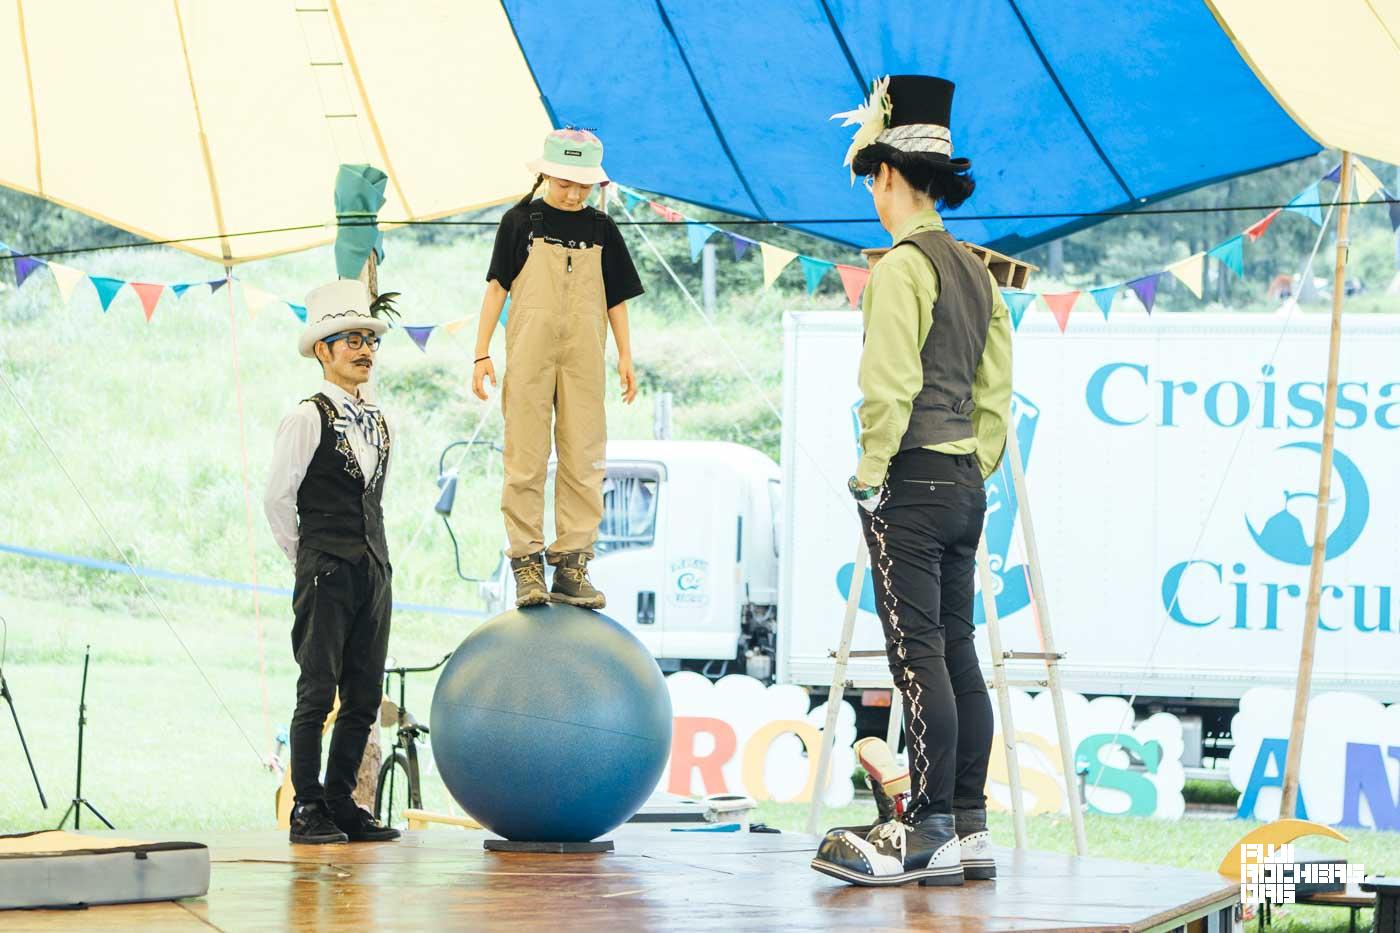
<point>935,372</point>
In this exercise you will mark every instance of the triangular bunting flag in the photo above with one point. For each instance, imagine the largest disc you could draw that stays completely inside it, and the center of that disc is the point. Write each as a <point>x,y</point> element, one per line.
<point>632,200</point>
<point>1256,230</point>
<point>698,234</point>
<point>1103,297</point>
<point>256,299</point>
<point>106,289</point>
<point>1334,176</point>
<point>1395,215</point>
<point>666,213</point>
<point>1192,272</point>
<point>180,289</point>
<point>65,277</point>
<point>775,260</point>
<point>1367,184</point>
<point>149,294</point>
<point>1306,203</point>
<point>1231,253</point>
<point>741,245</point>
<point>814,270</point>
<point>420,334</point>
<point>216,284</point>
<point>1060,305</point>
<point>25,266</point>
<point>1017,303</point>
<point>1146,289</point>
<point>299,311</point>
<point>453,326</point>
<point>853,279</point>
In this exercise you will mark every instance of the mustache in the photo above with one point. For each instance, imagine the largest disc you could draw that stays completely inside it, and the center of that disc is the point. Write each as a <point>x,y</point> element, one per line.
<point>362,359</point>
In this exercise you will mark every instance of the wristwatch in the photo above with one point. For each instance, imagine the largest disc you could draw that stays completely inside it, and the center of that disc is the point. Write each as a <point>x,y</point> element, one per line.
<point>868,497</point>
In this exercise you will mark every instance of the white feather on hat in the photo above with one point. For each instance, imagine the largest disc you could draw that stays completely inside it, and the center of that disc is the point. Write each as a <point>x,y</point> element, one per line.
<point>873,117</point>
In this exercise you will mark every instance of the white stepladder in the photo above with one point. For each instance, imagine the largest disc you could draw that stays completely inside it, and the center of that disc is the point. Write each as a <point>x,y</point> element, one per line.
<point>999,680</point>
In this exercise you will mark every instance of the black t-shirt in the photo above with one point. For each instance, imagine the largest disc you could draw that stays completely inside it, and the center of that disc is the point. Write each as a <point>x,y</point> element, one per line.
<point>574,229</point>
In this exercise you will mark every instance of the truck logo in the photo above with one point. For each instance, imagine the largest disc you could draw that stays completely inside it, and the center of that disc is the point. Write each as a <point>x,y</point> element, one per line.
<point>688,578</point>
<point>1012,591</point>
<point>1283,536</point>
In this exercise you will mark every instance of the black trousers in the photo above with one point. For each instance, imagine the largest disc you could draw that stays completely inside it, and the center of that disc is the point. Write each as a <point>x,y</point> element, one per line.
<point>339,637</point>
<point>923,548</point>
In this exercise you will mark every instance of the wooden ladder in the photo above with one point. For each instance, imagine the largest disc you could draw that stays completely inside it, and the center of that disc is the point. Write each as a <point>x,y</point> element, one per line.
<point>1000,681</point>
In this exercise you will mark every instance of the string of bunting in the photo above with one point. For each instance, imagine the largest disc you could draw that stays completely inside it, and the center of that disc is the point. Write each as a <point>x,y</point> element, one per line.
<point>256,300</point>
<point>1189,271</point>
<point>776,259</point>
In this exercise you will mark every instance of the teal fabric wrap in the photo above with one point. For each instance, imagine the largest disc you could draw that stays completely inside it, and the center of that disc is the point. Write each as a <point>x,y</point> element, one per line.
<point>359,194</point>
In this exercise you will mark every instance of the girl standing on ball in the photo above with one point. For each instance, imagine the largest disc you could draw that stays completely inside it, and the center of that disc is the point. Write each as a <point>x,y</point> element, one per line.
<point>568,274</point>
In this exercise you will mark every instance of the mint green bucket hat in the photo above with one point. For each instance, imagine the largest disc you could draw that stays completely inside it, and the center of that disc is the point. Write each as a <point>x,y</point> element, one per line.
<point>573,155</point>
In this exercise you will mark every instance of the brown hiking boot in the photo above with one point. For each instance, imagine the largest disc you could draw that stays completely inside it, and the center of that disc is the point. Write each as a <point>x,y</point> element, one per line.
<point>571,583</point>
<point>529,580</point>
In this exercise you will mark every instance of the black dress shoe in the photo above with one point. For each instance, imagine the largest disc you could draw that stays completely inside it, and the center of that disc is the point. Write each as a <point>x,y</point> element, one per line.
<point>357,824</point>
<point>312,824</point>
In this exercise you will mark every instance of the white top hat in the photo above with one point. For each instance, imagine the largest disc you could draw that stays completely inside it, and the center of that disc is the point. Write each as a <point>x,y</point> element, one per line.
<point>335,308</point>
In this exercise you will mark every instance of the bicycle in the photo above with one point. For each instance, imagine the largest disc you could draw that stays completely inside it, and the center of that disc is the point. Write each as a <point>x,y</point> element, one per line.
<point>403,756</point>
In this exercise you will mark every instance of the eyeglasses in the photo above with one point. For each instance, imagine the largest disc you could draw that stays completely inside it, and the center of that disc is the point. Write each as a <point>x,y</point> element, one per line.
<point>355,340</point>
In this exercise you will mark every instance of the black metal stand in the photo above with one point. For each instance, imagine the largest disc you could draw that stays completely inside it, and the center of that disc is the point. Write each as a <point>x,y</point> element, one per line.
<point>552,848</point>
<point>5,692</point>
<point>75,809</point>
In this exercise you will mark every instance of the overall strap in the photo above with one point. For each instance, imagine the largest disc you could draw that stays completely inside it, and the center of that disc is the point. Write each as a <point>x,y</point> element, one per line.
<point>537,224</point>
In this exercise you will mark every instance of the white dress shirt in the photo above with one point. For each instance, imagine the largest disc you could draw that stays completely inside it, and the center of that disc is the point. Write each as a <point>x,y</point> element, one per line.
<point>298,436</point>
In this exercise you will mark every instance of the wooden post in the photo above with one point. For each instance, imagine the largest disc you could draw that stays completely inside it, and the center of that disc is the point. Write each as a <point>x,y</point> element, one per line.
<point>1303,688</point>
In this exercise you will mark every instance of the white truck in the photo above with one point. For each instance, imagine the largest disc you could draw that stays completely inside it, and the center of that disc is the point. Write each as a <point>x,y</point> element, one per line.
<point>1172,466</point>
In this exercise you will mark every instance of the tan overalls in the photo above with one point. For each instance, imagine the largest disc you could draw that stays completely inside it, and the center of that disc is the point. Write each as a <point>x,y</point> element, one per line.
<point>556,331</point>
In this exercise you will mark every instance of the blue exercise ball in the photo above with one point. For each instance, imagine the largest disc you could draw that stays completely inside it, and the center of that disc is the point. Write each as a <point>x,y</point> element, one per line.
<point>551,724</point>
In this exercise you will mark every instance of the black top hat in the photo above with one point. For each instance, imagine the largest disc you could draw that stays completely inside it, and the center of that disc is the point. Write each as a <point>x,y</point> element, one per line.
<point>910,113</point>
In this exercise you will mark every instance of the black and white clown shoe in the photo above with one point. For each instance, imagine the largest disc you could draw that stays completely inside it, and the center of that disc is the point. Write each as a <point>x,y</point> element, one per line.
<point>895,852</point>
<point>971,825</point>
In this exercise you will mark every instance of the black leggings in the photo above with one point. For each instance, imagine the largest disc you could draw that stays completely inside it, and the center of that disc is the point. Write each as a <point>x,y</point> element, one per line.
<point>923,548</point>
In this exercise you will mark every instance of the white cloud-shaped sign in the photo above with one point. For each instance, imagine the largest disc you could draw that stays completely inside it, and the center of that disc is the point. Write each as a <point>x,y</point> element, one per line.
<point>737,736</point>
<point>1350,770</point>
<point>1146,783</point>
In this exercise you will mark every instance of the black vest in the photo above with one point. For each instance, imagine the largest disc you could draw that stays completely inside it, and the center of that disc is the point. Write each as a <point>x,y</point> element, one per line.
<point>952,351</point>
<point>337,512</point>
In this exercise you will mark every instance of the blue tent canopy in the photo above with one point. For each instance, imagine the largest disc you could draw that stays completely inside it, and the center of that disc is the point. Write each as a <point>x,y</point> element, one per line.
<point>1062,107</point>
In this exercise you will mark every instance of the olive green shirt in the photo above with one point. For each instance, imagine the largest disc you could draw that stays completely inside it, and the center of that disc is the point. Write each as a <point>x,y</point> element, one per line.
<point>898,312</point>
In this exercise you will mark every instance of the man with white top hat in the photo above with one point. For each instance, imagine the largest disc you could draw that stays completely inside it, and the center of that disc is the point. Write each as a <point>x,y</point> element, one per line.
<point>323,496</point>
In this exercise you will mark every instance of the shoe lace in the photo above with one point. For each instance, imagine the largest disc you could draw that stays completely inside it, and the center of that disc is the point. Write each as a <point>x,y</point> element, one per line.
<point>896,833</point>
<point>579,575</point>
<point>530,573</point>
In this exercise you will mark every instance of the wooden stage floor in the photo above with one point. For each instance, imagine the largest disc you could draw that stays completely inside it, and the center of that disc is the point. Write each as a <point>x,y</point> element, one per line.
<point>656,879</point>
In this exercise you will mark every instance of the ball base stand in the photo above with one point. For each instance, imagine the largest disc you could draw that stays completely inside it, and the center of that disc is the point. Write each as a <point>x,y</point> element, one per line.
<point>551,848</point>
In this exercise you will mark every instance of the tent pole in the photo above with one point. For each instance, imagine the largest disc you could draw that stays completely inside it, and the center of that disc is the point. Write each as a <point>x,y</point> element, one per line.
<point>1293,763</point>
